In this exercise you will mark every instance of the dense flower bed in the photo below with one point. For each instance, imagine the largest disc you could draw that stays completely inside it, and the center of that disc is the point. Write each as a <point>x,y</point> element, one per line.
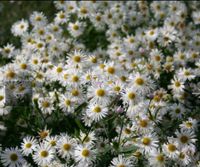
<point>106,83</point>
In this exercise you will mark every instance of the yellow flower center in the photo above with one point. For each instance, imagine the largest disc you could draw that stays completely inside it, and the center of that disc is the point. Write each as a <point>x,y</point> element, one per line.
<point>111,70</point>
<point>137,154</point>
<point>35,61</point>
<point>102,66</point>
<point>45,104</point>
<point>121,165</point>
<point>77,59</point>
<point>123,78</point>
<point>143,123</point>
<point>152,32</point>
<point>131,95</point>
<point>146,141</point>
<point>75,92</point>
<point>97,109</point>
<point>188,124</point>
<point>160,158</point>
<point>13,157</point>
<point>177,84</point>
<point>1,98</point>
<point>59,69</point>
<point>67,147</point>
<point>85,152</point>
<point>43,134</point>
<point>139,81</point>
<point>84,10</point>
<point>87,139</point>
<point>67,102</point>
<point>94,60</point>
<point>7,50</point>
<point>62,16</point>
<point>75,78</point>
<point>181,155</point>
<point>117,88</point>
<point>98,18</point>
<point>100,92</point>
<point>184,139</point>
<point>44,153</point>
<point>75,27</point>
<point>127,131</point>
<point>28,145</point>
<point>53,143</point>
<point>10,74</point>
<point>39,45</point>
<point>23,66</point>
<point>171,147</point>
<point>38,18</point>
<point>157,58</point>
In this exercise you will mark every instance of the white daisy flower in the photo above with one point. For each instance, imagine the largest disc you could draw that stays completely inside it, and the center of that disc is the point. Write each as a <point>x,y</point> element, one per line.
<point>121,161</point>
<point>65,146</point>
<point>177,85</point>
<point>171,148</point>
<point>84,154</point>
<point>46,105</point>
<point>43,154</point>
<point>28,145</point>
<point>20,27</point>
<point>157,158</point>
<point>12,157</point>
<point>148,142</point>
<point>96,111</point>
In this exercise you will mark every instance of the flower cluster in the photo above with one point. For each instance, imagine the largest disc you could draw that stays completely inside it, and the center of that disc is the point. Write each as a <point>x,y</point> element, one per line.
<point>113,84</point>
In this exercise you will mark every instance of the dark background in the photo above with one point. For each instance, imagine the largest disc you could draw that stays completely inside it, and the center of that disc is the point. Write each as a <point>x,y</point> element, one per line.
<point>12,11</point>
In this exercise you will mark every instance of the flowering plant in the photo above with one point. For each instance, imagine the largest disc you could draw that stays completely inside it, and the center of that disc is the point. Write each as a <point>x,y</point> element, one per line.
<point>106,83</point>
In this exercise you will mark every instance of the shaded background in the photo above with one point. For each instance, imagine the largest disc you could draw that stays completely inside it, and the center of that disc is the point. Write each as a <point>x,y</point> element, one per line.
<point>12,11</point>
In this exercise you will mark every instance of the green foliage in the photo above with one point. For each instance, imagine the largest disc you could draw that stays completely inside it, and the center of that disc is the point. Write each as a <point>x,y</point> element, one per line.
<point>12,11</point>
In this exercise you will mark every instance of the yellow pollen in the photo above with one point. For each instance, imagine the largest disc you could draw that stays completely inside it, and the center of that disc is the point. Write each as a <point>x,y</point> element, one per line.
<point>117,88</point>
<point>188,124</point>
<point>67,147</point>
<point>127,131</point>
<point>67,102</point>
<point>75,27</point>
<point>177,84</point>
<point>38,18</point>
<point>143,123</point>
<point>160,158</point>
<point>75,92</point>
<point>35,61</point>
<point>1,98</point>
<point>28,145</point>
<point>10,74</point>
<point>45,104</point>
<point>171,147</point>
<point>184,139</point>
<point>44,153</point>
<point>77,59</point>
<point>111,70</point>
<point>84,10</point>
<point>100,92</point>
<point>59,69</point>
<point>131,95</point>
<point>75,78</point>
<point>13,157</point>
<point>139,81</point>
<point>85,152</point>
<point>23,66</point>
<point>53,143</point>
<point>146,141</point>
<point>97,109</point>
<point>39,45</point>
